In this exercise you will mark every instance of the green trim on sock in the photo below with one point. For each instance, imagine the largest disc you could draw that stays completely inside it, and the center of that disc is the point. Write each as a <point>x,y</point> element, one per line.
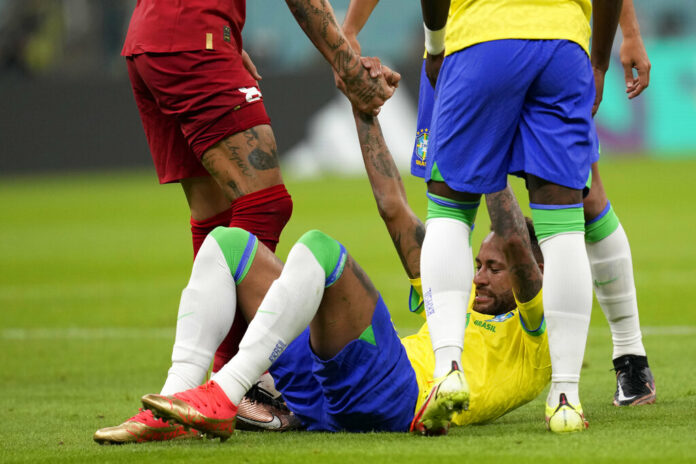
<point>550,222</point>
<point>467,216</point>
<point>325,249</point>
<point>233,242</point>
<point>368,336</point>
<point>603,228</point>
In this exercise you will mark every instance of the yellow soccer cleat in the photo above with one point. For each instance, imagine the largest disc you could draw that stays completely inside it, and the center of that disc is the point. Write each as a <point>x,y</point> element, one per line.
<point>449,395</point>
<point>565,418</point>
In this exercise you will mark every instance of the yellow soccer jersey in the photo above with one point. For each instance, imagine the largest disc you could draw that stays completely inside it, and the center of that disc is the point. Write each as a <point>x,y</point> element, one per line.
<point>475,21</point>
<point>505,365</point>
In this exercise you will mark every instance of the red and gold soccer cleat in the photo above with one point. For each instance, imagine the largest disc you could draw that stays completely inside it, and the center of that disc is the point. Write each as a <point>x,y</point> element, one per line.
<point>142,427</point>
<point>205,408</point>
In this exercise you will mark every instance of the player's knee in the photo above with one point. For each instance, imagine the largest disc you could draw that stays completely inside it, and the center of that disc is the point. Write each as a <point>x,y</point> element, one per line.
<point>441,207</point>
<point>550,220</point>
<point>328,252</point>
<point>239,249</point>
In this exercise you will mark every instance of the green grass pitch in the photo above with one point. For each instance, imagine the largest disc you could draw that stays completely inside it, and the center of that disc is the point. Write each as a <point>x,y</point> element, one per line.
<point>92,266</point>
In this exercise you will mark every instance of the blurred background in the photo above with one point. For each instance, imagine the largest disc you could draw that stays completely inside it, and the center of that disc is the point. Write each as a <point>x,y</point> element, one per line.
<point>66,104</point>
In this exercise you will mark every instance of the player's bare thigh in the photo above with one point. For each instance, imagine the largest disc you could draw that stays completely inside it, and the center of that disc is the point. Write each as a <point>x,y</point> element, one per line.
<point>345,312</point>
<point>204,196</point>
<point>596,200</point>
<point>544,192</point>
<point>244,162</point>
<point>444,190</point>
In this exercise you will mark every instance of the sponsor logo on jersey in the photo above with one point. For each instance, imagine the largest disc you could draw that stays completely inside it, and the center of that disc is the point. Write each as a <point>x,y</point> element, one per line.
<point>227,34</point>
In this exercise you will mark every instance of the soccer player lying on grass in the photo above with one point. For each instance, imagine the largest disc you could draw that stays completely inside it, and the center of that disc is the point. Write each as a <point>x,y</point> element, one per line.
<point>326,336</point>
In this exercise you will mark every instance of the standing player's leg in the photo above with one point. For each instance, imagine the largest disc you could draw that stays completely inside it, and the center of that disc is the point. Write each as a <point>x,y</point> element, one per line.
<point>475,117</point>
<point>297,298</point>
<point>612,273</point>
<point>558,220</point>
<point>554,149</point>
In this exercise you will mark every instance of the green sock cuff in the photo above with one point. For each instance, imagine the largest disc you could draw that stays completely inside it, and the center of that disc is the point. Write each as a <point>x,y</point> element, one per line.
<point>441,207</point>
<point>550,220</point>
<point>239,249</point>
<point>329,253</point>
<point>602,226</point>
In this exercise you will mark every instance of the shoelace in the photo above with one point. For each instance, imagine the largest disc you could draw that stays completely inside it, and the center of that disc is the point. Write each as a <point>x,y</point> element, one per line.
<point>258,395</point>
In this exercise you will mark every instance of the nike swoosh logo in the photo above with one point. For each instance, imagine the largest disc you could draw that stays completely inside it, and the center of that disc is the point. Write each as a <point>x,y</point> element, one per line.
<point>273,424</point>
<point>605,282</point>
<point>183,316</point>
<point>623,397</point>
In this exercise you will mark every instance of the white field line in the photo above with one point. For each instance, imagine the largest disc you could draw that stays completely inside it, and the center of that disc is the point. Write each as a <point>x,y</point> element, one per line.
<point>167,333</point>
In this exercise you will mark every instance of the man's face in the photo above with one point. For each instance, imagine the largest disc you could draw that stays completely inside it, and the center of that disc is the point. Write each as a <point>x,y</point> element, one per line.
<point>492,281</point>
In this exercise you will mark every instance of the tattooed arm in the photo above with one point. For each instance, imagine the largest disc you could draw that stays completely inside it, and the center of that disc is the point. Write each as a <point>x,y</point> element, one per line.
<point>366,93</point>
<point>404,227</point>
<point>509,224</point>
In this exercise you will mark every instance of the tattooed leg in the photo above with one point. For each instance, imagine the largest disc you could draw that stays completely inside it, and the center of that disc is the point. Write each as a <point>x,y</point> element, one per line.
<point>244,162</point>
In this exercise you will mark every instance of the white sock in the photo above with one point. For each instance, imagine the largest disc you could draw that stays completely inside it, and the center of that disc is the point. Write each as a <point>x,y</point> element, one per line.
<point>567,308</point>
<point>446,273</point>
<point>286,310</point>
<point>206,313</point>
<point>612,273</point>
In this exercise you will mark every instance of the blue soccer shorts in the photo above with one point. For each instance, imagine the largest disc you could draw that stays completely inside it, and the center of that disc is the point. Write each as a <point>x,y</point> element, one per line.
<point>370,385</point>
<point>512,106</point>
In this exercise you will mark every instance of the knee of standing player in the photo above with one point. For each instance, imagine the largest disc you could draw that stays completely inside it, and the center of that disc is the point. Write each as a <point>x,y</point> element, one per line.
<point>550,220</point>
<point>239,249</point>
<point>329,253</point>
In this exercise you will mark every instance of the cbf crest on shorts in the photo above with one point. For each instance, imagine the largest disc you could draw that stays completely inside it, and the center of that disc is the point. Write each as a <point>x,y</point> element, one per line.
<point>420,151</point>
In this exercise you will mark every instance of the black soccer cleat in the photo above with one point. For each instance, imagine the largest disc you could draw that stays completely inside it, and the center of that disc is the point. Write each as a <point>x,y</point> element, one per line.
<point>634,381</point>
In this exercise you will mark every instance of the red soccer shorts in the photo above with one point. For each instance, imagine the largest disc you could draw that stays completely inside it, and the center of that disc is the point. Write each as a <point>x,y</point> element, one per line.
<point>189,101</point>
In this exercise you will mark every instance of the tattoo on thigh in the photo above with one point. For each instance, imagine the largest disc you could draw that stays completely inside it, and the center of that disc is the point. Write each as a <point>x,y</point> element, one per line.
<point>233,155</point>
<point>263,161</point>
<point>235,190</point>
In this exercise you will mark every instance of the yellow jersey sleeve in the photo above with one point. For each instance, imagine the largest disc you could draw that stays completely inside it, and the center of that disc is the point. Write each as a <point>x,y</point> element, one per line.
<point>475,21</point>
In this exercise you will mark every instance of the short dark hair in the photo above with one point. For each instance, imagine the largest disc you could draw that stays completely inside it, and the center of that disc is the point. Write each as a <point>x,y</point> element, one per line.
<point>536,249</point>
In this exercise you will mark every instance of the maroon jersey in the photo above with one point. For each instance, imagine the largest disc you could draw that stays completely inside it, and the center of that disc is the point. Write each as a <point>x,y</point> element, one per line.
<point>165,26</point>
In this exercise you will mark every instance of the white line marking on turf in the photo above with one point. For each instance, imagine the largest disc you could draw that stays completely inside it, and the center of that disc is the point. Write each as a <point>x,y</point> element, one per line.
<point>75,333</point>
<point>163,333</point>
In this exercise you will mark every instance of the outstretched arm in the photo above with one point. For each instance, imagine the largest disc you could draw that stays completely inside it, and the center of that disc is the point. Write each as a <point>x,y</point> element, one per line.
<point>509,224</point>
<point>404,227</point>
<point>316,17</point>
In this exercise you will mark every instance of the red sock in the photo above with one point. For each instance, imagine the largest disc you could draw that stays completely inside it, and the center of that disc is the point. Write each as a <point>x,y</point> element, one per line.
<point>201,229</point>
<point>264,214</point>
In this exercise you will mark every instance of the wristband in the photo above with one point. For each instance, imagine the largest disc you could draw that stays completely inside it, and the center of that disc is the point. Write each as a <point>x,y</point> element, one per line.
<point>434,40</point>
